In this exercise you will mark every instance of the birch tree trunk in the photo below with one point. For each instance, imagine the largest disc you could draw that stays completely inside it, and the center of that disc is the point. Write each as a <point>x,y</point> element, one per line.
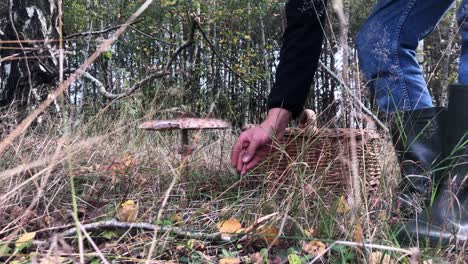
<point>29,55</point>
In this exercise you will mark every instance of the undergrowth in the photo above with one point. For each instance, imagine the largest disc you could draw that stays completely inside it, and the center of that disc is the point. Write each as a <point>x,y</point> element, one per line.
<point>111,161</point>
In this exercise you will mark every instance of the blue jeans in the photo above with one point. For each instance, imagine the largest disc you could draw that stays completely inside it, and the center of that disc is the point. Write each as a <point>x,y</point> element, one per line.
<point>387,45</point>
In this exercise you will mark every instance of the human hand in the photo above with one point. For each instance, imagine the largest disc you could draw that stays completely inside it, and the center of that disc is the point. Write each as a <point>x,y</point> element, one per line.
<point>254,144</point>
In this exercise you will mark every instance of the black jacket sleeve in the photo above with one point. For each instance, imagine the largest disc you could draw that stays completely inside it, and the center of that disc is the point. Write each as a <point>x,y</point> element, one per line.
<point>300,52</point>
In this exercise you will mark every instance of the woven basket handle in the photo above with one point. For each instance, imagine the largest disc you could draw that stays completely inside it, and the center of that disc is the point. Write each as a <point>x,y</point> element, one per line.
<point>307,119</point>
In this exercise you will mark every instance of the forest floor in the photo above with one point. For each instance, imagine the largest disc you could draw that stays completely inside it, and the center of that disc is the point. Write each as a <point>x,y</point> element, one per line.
<point>134,202</point>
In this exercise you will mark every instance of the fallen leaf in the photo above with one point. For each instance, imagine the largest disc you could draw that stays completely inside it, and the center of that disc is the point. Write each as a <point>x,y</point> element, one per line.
<point>52,260</point>
<point>196,245</point>
<point>177,220</point>
<point>228,228</point>
<point>24,240</point>
<point>127,211</point>
<point>120,167</point>
<point>269,234</point>
<point>240,231</point>
<point>311,232</point>
<point>229,261</point>
<point>358,234</point>
<point>382,216</point>
<point>315,248</point>
<point>343,206</point>
<point>256,258</point>
<point>380,258</point>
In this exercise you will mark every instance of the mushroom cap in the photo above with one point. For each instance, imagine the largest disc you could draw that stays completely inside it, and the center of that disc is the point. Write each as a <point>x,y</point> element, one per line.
<point>185,123</point>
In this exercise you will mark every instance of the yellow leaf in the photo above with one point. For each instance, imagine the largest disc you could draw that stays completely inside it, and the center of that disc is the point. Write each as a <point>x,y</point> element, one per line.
<point>269,234</point>
<point>315,248</point>
<point>176,219</point>
<point>240,231</point>
<point>311,232</point>
<point>380,258</point>
<point>228,227</point>
<point>343,206</point>
<point>197,245</point>
<point>358,234</point>
<point>229,261</point>
<point>127,211</point>
<point>25,238</point>
<point>256,258</point>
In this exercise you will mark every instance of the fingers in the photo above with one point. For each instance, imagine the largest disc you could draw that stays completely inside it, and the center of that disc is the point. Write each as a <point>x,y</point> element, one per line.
<point>235,153</point>
<point>251,151</point>
<point>240,164</point>
<point>248,166</point>
<point>246,153</point>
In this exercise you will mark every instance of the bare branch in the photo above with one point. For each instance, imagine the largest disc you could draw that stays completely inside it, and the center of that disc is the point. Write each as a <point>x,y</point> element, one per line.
<point>152,37</point>
<point>356,100</point>
<point>102,88</point>
<point>145,226</point>
<point>99,32</point>
<point>159,74</point>
<point>189,42</point>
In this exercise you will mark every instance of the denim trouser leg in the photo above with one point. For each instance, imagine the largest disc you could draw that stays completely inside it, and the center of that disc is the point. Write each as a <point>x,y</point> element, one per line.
<point>463,24</point>
<point>387,45</point>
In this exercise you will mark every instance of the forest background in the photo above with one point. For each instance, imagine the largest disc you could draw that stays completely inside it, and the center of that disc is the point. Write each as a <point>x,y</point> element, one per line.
<point>84,156</point>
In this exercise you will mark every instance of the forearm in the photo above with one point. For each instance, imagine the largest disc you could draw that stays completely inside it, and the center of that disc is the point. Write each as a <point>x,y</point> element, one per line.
<point>299,55</point>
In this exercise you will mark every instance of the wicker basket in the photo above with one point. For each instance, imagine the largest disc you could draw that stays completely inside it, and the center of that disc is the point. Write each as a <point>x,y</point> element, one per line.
<point>322,158</point>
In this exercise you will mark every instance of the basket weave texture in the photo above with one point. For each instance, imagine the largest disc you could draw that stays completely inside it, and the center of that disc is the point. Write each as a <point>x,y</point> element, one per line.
<point>323,157</point>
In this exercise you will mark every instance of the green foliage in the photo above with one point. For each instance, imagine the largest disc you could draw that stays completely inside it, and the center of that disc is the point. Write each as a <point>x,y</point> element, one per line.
<point>109,234</point>
<point>346,254</point>
<point>107,55</point>
<point>201,75</point>
<point>294,259</point>
<point>4,250</point>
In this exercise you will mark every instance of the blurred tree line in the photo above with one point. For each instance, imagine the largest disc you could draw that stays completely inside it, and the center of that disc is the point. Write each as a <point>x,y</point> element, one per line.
<point>231,62</point>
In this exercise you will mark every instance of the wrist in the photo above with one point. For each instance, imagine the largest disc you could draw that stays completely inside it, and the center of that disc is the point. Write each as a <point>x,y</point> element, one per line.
<point>277,120</point>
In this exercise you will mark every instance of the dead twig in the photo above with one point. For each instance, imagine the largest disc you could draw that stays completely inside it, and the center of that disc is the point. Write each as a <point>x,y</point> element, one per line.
<point>145,226</point>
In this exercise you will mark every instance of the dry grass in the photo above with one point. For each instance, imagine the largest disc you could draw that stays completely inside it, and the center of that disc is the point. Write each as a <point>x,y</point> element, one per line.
<point>110,161</point>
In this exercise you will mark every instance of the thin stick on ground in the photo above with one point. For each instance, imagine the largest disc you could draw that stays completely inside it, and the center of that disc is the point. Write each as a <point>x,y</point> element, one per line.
<point>90,240</point>
<point>145,226</point>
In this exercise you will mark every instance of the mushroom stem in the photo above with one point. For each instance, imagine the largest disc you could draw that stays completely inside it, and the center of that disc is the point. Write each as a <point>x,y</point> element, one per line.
<point>185,151</point>
<point>185,141</point>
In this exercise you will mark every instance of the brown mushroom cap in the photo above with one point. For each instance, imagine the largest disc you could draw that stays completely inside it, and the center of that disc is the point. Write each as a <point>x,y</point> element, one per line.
<point>185,123</point>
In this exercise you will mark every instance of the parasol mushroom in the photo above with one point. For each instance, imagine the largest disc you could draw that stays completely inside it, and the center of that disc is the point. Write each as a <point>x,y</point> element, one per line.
<point>185,124</point>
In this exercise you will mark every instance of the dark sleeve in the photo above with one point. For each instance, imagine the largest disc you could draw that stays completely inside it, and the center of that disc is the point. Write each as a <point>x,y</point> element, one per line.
<point>300,52</point>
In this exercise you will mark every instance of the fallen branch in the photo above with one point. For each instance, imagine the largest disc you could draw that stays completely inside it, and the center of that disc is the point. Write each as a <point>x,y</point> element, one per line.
<point>145,226</point>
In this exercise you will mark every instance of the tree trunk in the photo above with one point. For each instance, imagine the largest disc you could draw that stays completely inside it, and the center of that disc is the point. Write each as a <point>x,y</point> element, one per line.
<point>31,69</point>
